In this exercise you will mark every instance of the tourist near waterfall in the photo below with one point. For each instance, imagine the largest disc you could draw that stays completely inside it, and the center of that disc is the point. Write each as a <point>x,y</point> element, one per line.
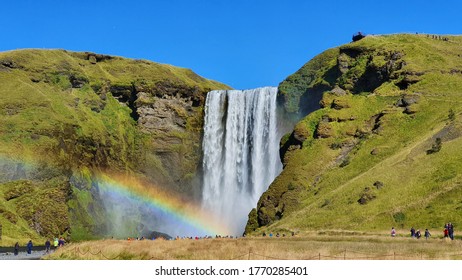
<point>29,247</point>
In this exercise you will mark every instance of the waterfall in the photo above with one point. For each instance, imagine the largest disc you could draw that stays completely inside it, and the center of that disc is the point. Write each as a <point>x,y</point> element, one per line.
<point>241,152</point>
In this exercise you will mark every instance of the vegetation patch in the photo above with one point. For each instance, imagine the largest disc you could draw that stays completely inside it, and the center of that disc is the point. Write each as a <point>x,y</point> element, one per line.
<point>436,147</point>
<point>399,217</point>
<point>385,103</point>
<point>366,196</point>
<point>16,189</point>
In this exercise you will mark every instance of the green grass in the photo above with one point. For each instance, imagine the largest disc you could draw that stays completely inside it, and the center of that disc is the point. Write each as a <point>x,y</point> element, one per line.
<point>419,190</point>
<point>32,210</point>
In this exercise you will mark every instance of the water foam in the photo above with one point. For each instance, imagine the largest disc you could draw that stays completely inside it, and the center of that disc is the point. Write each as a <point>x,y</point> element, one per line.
<point>241,152</point>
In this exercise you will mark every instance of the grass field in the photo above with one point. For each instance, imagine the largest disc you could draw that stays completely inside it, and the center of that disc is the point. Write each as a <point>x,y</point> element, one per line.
<point>329,245</point>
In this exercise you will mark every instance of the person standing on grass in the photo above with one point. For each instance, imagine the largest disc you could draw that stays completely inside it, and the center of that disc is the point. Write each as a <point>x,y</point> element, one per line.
<point>427,234</point>
<point>412,232</point>
<point>393,232</point>
<point>451,231</point>
<point>417,234</point>
<point>61,242</point>
<point>446,230</point>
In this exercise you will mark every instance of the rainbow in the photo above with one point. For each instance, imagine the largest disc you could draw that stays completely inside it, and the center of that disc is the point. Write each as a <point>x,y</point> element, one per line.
<point>175,211</point>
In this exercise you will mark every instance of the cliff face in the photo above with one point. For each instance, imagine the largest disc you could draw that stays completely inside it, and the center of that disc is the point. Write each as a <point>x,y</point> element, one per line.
<point>66,115</point>
<point>377,146</point>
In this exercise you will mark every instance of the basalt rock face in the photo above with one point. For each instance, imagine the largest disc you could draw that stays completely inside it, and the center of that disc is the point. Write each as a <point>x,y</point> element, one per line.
<point>172,117</point>
<point>370,110</point>
<point>67,116</point>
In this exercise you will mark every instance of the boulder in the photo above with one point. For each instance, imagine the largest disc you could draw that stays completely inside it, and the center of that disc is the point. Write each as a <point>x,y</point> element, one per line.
<point>410,110</point>
<point>339,104</point>
<point>378,185</point>
<point>411,99</point>
<point>8,63</point>
<point>92,59</point>
<point>343,63</point>
<point>338,91</point>
<point>407,81</point>
<point>366,196</point>
<point>323,130</point>
<point>77,81</point>
<point>301,133</point>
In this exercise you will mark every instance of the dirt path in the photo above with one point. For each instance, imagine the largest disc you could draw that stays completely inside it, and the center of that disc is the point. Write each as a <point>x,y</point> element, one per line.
<point>36,255</point>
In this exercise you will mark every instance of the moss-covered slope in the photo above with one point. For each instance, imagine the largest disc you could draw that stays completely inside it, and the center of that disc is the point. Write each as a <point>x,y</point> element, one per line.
<point>380,146</point>
<point>64,115</point>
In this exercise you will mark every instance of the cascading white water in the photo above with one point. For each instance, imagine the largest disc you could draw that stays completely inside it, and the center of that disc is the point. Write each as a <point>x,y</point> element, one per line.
<point>241,152</point>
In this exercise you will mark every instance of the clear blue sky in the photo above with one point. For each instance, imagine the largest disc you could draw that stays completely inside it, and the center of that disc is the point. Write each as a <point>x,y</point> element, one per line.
<point>243,43</point>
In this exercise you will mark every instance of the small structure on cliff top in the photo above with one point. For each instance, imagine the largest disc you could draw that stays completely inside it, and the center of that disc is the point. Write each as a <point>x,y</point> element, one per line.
<point>358,36</point>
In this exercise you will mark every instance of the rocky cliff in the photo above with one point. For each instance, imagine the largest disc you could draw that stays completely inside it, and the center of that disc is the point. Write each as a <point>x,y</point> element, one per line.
<point>377,142</point>
<point>66,115</point>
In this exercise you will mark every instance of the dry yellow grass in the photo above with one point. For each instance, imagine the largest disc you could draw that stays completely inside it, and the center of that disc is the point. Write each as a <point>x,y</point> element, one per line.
<point>315,246</point>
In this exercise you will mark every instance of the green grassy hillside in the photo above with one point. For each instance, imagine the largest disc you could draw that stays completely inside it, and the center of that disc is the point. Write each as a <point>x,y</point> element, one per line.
<point>380,146</point>
<point>65,115</point>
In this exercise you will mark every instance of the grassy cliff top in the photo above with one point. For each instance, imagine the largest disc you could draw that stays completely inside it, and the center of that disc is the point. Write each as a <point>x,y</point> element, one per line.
<point>423,54</point>
<point>102,67</point>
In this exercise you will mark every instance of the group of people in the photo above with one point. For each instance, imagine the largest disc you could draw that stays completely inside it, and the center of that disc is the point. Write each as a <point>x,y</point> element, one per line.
<point>437,37</point>
<point>29,246</point>
<point>209,237</point>
<point>180,238</point>
<point>277,234</point>
<point>448,232</point>
<point>418,235</point>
